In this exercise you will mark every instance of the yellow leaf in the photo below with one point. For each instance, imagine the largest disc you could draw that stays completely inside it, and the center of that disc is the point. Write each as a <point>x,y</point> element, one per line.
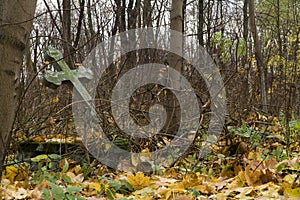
<point>39,139</point>
<point>221,196</point>
<point>76,170</point>
<point>251,60</point>
<point>191,180</point>
<point>55,100</point>
<point>171,173</point>
<point>139,181</point>
<point>95,186</point>
<point>289,178</point>
<point>238,181</point>
<point>13,173</point>
<point>292,193</point>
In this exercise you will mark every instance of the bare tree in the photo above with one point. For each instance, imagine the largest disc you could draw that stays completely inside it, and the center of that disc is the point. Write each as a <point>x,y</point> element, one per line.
<point>201,22</point>
<point>15,26</point>
<point>175,62</point>
<point>258,53</point>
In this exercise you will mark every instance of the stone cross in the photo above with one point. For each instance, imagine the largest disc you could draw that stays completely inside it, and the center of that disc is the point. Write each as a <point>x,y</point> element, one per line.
<point>64,73</point>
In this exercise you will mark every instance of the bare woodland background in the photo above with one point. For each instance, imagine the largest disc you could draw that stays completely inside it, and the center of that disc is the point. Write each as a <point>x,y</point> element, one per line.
<point>254,43</point>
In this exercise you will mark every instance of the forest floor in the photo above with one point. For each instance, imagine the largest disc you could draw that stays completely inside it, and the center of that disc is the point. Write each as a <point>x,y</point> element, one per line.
<point>262,161</point>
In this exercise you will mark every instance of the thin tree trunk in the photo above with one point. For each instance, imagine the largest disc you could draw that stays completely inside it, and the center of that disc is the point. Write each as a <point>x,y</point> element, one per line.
<point>258,54</point>
<point>80,20</point>
<point>66,33</point>
<point>201,22</point>
<point>209,20</point>
<point>15,26</point>
<point>246,99</point>
<point>175,61</point>
<point>90,25</point>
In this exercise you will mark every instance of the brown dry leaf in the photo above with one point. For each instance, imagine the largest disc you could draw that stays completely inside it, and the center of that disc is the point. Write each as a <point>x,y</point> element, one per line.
<point>35,194</point>
<point>71,175</point>
<point>12,192</point>
<point>191,180</point>
<point>21,193</point>
<point>257,165</point>
<point>254,156</point>
<point>184,197</point>
<point>207,188</point>
<point>171,173</point>
<point>243,192</point>
<point>243,148</point>
<point>238,181</point>
<point>269,191</point>
<point>268,176</point>
<point>271,164</point>
<point>78,178</point>
<point>169,193</point>
<point>292,163</point>
<point>139,181</point>
<point>221,196</point>
<point>253,177</point>
<point>52,121</point>
<point>39,139</point>
<point>22,184</point>
<point>227,172</point>
<point>76,170</point>
<point>42,185</point>
<point>164,181</point>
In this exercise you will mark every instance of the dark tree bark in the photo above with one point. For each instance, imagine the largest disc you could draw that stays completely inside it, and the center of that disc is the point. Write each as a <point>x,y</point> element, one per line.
<point>258,54</point>
<point>66,33</point>
<point>80,20</point>
<point>201,22</point>
<point>246,92</point>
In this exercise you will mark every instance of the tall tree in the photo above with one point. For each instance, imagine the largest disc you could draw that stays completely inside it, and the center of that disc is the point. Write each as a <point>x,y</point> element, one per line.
<point>66,32</point>
<point>258,53</point>
<point>201,22</point>
<point>247,91</point>
<point>16,19</point>
<point>175,62</point>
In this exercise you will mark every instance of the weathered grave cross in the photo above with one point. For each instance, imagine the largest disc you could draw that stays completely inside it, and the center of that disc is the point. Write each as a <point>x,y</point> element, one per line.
<point>64,73</point>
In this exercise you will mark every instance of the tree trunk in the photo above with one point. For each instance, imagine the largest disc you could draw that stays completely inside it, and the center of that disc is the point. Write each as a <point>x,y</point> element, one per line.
<point>201,22</point>
<point>66,33</point>
<point>15,26</point>
<point>246,91</point>
<point>258,54</point>
<point>175,62</point>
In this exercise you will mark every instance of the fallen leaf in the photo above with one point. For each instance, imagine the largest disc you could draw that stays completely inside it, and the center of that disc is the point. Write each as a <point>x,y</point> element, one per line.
<point>292,193</point>
<point>13,173</point>
<point>139,181</point>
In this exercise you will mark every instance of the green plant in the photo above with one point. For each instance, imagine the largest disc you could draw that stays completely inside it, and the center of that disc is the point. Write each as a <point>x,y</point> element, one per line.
<point>87,169</point>
<point>279,154</point>
<point>248,133</point>
<point>45,161</point>
<point>194,192</point>
<point>114,187</point>
<point>295,129</point>
<point>43,172</point>
<point>59,193</point>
